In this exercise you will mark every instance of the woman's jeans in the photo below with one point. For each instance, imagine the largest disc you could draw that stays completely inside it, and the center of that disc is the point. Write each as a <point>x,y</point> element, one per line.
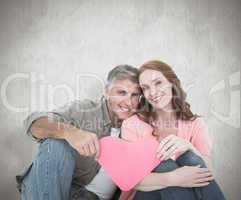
<point>50,175</point>
<point>209,192</point>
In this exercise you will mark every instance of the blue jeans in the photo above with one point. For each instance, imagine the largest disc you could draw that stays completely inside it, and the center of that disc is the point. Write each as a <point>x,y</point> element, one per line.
<point>209,192</point>
<point>50,175</point>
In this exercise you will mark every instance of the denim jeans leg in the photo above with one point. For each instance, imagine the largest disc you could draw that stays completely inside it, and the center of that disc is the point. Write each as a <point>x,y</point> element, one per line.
<point>212,192</point>
<point>169,193</point>
<point>189,158</point>
<point>51,173</point>
<point>209,192</point>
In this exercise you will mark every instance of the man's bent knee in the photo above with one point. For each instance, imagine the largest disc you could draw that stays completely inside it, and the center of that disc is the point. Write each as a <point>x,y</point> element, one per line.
<point>56,148</point>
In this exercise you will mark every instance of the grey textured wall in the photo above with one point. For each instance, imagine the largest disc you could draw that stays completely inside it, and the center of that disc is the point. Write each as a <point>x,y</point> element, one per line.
<point>55,51</point>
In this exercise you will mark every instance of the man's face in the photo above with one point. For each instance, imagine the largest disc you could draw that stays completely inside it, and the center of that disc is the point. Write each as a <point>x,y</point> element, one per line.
<point>122,98</point>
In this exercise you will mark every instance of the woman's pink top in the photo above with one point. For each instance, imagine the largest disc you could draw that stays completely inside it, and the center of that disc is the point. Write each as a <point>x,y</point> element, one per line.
<point>195,131</point>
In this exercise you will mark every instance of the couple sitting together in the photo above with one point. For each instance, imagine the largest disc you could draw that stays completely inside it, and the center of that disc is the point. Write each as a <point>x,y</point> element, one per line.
<point>66,165</point>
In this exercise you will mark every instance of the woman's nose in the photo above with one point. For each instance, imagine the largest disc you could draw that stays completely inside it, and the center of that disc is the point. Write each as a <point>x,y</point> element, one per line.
<point>152,91</point>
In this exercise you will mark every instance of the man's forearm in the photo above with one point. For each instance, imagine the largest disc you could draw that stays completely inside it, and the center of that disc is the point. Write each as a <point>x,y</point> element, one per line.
<point>79,139</point>
<point>154,181</point>
<point>45,127</point>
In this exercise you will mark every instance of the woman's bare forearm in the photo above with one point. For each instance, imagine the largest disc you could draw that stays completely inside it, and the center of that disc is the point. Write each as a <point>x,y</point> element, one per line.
<point>148,188</point>
<point>187,176</point>
<point>154,181</point>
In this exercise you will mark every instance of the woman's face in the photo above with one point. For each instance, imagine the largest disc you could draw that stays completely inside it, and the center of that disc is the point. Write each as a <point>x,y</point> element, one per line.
<point>156,88</point>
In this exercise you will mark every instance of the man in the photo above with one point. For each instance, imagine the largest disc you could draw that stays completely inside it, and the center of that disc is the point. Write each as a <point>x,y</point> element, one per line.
<point>65,166</point>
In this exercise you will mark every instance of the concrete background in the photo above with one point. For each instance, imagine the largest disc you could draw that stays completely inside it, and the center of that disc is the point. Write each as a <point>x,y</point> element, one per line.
<point>55,51</point>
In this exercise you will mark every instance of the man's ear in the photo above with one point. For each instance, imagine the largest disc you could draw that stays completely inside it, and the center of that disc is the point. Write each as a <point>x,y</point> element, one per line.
<point>106,92</point>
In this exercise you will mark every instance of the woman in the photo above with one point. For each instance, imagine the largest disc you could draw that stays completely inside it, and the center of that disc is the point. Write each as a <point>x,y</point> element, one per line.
<point>183,135</point>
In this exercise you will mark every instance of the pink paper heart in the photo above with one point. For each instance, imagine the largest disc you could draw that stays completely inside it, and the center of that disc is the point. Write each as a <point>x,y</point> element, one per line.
<point>127,163</point>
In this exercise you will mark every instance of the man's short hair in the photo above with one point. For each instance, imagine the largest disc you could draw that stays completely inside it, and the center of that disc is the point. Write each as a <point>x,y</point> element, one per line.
<point>122,72</point>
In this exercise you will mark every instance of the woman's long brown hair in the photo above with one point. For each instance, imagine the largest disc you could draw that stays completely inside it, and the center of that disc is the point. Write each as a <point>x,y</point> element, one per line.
<point>180,106</point>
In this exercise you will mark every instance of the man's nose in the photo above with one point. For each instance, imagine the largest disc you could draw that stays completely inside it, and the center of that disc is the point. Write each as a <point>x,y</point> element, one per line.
<point>128,100</point>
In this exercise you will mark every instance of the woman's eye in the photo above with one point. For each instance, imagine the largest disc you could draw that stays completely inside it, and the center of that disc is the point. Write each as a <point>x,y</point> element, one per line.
<point>158,82</point>
<point>144,89</point>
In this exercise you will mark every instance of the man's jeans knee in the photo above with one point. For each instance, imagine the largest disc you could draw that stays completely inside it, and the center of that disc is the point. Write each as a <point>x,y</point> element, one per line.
<point>50,175</point>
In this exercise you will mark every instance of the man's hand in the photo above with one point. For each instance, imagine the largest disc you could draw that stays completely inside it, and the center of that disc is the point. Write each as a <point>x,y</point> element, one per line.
<point>86,143</point>
<point>189,176</point>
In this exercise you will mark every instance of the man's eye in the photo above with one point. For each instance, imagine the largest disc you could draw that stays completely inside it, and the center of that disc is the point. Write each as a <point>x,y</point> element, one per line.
<point>122,92</point>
